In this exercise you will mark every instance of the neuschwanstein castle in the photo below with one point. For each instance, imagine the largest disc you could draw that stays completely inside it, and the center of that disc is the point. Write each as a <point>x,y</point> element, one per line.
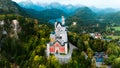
<point>58,39</point>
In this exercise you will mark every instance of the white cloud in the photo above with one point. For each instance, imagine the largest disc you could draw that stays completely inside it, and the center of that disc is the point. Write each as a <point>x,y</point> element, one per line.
<point>96,3</point>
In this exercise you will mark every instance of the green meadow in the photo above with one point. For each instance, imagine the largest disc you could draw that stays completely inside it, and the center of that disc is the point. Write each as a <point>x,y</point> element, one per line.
<point>113,37</point>
<point>116,28</point>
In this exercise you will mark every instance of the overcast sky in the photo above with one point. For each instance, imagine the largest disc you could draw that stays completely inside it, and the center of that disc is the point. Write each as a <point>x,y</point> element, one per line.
<point>95,3</point>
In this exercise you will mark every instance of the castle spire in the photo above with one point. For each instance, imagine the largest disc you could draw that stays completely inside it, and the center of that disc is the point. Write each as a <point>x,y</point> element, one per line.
<point>63,20</point>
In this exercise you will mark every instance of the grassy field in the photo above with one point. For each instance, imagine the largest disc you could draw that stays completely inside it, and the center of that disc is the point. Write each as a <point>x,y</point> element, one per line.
<point>116,28</point>
<point>113,37</point>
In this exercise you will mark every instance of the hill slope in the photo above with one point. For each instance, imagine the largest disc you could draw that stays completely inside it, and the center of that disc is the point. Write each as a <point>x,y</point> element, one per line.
<point>82,15</point>
<point>52,13</point>
<point>8,6</point>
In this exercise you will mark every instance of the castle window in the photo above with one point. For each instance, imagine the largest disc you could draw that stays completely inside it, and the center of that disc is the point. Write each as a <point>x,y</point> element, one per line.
<point>59,37</point>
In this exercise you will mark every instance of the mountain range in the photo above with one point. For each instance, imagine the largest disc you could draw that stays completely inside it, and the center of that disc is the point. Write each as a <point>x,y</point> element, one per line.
<point>56,10</point>
<point>10,7</point>
<point>39,7</point>
<point>66,8</point>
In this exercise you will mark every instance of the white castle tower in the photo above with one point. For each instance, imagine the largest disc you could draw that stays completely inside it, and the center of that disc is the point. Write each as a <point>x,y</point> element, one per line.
<point>63,20</point>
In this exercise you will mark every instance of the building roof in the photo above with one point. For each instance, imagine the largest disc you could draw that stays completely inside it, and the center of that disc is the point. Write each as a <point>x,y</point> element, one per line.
<point>52,32</point>
<point>59,23</point>
<point>51,44</point>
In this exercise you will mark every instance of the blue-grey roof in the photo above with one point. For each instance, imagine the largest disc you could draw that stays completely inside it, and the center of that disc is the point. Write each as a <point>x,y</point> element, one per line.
<point>52,32</point>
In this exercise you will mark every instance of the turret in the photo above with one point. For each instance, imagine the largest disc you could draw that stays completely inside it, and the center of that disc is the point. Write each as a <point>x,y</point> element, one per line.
<point>63,20</point>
